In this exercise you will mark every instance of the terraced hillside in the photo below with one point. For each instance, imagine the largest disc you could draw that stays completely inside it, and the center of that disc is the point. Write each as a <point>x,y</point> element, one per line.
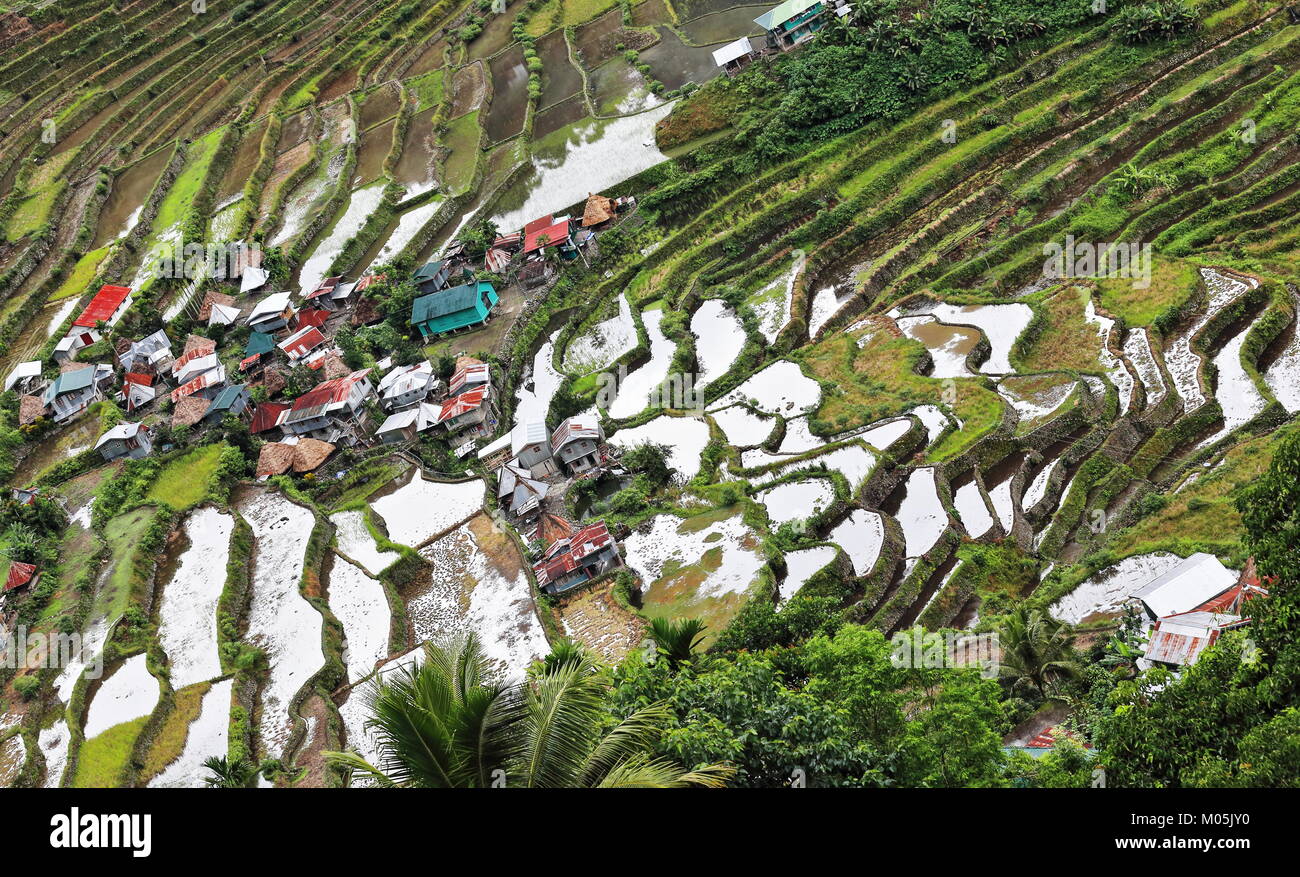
<point>933,321</point>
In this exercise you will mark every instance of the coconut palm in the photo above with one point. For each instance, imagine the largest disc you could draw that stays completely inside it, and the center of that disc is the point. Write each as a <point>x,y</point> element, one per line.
<point>1037,647</point>
<point>443,724</point>
<point>224,774</point>
<point>677,640</point>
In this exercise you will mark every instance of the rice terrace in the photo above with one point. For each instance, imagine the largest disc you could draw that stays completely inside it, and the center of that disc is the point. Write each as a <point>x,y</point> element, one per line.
<point>674,393</point>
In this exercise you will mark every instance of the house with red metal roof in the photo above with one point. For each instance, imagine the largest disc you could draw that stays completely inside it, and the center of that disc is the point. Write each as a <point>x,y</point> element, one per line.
<point>21,575</point>
<point>554,234</point>
<point>470,374</point>
<point>298,345</point>
<point>469,415</point>
<point>588,553</point>
<point>137,390</point>
<point>321,413</point>
<point>107,307</point>
<point>1178,639</point>
<point>576,444</point>
<point>268,416</point>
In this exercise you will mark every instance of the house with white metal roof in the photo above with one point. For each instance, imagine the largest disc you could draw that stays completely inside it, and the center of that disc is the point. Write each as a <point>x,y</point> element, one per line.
<point>272,313</point>
<point>125,440</point>
<point>734,56</point>
<point>1186,585</point>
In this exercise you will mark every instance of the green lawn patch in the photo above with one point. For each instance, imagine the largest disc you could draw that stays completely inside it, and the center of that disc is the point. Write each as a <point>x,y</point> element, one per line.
<point>427,89</point>
<point>184,481</point>
<point>181,194</point>
<point>122,534</point>
<point>170,741</point>
<point>102,760</point>
<point>1203,516</point>
<point>1068,341</point>
<point>879,380</point>
<point>1172,283</point>
<point>82,273</point>
<point>32,212</point>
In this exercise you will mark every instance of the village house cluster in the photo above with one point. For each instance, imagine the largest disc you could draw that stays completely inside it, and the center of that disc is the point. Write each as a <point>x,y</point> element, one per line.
<point>195,383</point>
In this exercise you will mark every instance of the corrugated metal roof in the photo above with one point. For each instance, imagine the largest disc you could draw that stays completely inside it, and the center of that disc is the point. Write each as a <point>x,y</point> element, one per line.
<point>728,53</point>
<point>121,432</point>
<point>448,301</point>
<point>103,305</point>
<point>549,236</point>
<point>1187,585</point>
<point>400,420</point>
<point>780,14</point>
<point>471,371</point>
<point>539,223</point>
<point>19,575</point>
<point>302,342</point>
<point>462,404</point>
<point>323,395</point>
<point>566,555</point>
<point>195,347</point>
<point>202,382</point>
<point>259,342</point>
<point>70,382</point>
<point>268,416</point>
<point>270,306</point>
<point>572,430</point>
<point>226,398</point>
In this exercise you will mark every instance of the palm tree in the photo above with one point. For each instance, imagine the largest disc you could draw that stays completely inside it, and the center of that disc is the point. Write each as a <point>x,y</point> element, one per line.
<point>1037,647</point>
<point>442,724</point>
<point>224,774</point>
<point>677,640</point>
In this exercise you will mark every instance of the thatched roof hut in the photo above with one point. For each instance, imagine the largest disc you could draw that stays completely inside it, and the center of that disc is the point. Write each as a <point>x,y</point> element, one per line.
<point>275,459</point>
<point>189,411</point>
<point>310,453</point>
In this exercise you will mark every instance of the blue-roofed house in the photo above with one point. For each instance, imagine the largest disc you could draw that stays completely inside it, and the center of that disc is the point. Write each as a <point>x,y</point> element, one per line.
<point>73,391</point>
<point>793,22</point>
<point>453,309</point>
<point>437,276</point>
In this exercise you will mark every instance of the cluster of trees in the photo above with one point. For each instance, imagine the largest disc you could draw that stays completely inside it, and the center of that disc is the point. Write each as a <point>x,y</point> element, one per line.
<point>1153,21</point>
<point>890,58</point>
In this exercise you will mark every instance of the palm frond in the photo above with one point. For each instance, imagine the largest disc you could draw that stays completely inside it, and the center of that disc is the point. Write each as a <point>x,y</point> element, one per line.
<point>642,772</point>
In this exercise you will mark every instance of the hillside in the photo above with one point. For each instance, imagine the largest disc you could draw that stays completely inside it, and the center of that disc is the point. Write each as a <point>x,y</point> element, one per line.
<point>960,318</point>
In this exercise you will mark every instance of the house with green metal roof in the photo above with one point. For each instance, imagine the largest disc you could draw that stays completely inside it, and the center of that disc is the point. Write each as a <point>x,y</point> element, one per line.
<point>453,309</point>
<point>793,22</point>
<point>439,275</point>
<point>231,400</point>
<point>259,342</point>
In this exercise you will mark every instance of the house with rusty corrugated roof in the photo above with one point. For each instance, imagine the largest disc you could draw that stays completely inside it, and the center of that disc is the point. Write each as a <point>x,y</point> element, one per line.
<point>329,411</point>
<point>576,442</point>
<point>590,552</point>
